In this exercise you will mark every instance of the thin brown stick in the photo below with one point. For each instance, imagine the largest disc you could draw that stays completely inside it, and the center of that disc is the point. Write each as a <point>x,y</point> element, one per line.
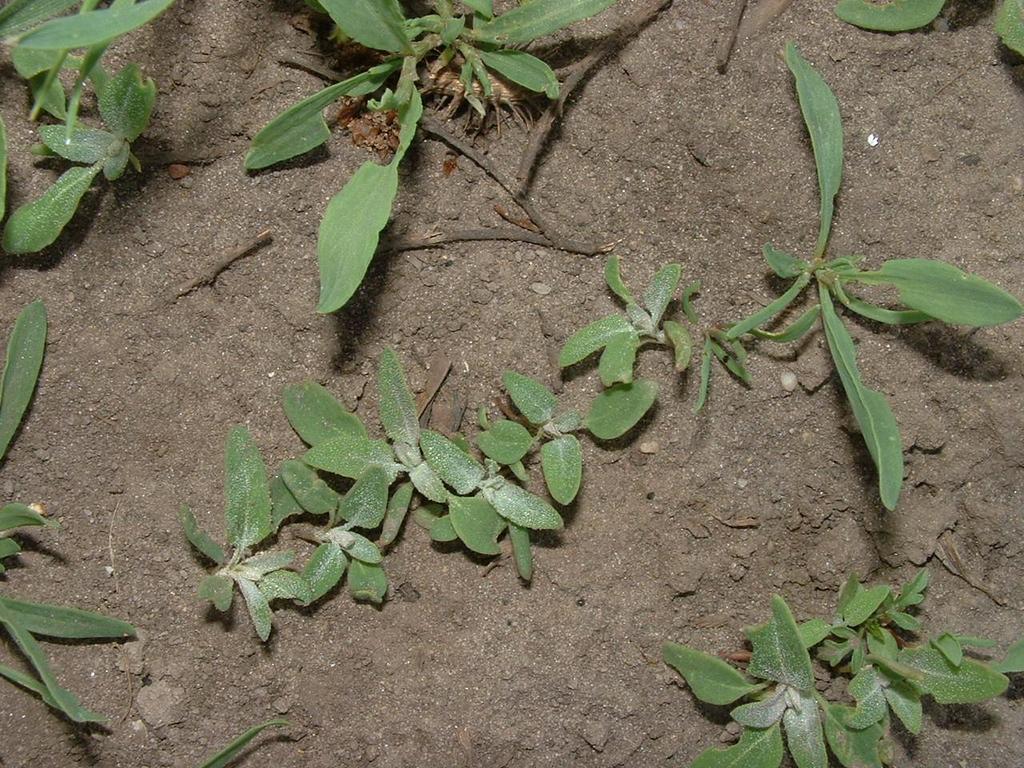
<point>438,373</point>
<point>436,240</point>
<point>727,43</point>
<point>229,258</point>
<point>575,75</point>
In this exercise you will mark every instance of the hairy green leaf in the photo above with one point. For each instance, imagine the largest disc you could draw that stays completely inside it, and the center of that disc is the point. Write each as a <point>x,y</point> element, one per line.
<point>199,539</point>
<point>1010,24</point>
<point>591,338</point>
<point>259,608</point>
<point>350,455</point>
<point>324,569</point>
<point>537,18</point>
<point>891,16</point>
<point>219,590</point>
<point>453,465</point>
<point>763,713</point>
<point>1014,661</point>
<point>365,503</point>
<point>58,621</point>
<point>126,102</point>
<point>877,424</point>
<point>778,650</point>
<point>533,399</point>
<point>617,409</point>
<point>262,563</point>
<point>477,523</point>
<point>306,487</point>
<point>821,114</point>
<point>867,687</point>
<point>367,582</point>
<point>394,516</point>
<point>397,407</point>
<point>521,552</point>
<point>710,678</point>
<point>616,363</point>
<point>561,461</point>
<point>813,632</point>
<point>944,292</point>
<point>247,490</point>
<point>524,509</point>
<point>804,735</point>
<point>441,529</point>
<point>316,416</point>
<point>613,277</point>
<point>506,441</point>
<point>864,603</point>
<point>378,24</point>
<point>913,591</point>
<point>36,225</point>
<point>428,483</point>
<point>232,750</point>
<point>356,546</point>
<point>15,515</point>
<point>905,702</point>
<point>661,290</point>
<point>756,749</point>
<point>969,683</point>
<point>94,27</point>
<point>85,145</point>
<point>852,747</point>
<point>950,647</point>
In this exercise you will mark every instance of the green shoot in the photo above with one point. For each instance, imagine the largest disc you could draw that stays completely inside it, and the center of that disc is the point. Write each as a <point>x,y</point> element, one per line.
<point>477,51</point>
<point>867,641</point>
<point>232,750</point>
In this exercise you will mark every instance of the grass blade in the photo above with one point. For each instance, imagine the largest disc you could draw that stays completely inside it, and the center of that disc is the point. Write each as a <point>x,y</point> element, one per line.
<point>232,750</point>
<point>21,369</point>
<point>3,168</point>
<point>538,18</point>
<point>87,29</point>
<point>770,311</point>
<point>58,621</point>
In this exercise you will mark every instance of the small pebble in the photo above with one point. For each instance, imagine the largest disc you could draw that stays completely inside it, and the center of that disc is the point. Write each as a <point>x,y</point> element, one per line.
<point>788,380</point>
<point>649,446</point>
<point>541,289</point>
<point>178,171</point>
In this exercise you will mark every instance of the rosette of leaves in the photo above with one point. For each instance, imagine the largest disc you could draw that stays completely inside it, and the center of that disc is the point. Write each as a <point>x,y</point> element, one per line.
<point>43,48</point>
<point>487,45</point>
<point>905,15</point>
<point>928,290</point>
<point>261,577</point>
<point>888,678</point>
<point>461,497</point>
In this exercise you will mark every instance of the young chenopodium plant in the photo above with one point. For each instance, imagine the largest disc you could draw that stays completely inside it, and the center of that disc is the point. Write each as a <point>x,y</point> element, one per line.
<point>905,15</point>
<point>23,621</point>
<point>868,641</point>
<point>42,50</point>
<point>929,290</point>
<point>470,55</point>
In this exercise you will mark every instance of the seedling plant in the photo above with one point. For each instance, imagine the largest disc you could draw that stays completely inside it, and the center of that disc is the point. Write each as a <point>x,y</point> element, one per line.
<point>42,48</point>
<point>869,641</point>
<point>468,54</point>
<point>905,15</point>
<point>23,621</point>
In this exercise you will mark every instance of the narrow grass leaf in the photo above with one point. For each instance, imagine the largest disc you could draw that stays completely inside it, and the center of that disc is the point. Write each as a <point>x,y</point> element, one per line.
<point>232,750</point>
<point>705,375</point>
<point>710,678</point>
<point>537,18</point>
<point>24,359</point>
<point>893,16</point>
<point>618,409</point>
<point>247,490</point>
<point>58,621</point>
<point>94,27</point>
<point>22,15</point>
<point>794,332</point>
<point>36,225</point>
<point>783,264</point>
<point>881,314</point>
<point>821,115</point>
<point>523,69</point>
<point>3,169</point>
<point>872,412</point>
<point>29,683</point>
<point>771,310</point>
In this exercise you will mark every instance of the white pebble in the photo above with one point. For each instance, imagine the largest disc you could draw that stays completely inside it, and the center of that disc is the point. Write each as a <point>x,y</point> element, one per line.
<point>788,380</point>
<point>873,139</point>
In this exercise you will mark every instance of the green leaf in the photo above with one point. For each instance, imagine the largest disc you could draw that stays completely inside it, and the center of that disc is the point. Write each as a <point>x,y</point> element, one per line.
<point>219,590</point>
<point>397,407</point>
<point>350,455</point>
<point>617,409</point>
<point>525,70</point>
<point>36,225</point>
<point>94,27</point>
<point>783,264</point>
<point>394,516</point>
<point>232,750</point>
<point>593,337</point>
<point>705,375</point>
<point>24,359</point>
<point>29,683</point>
<point>711,679</point>
<point>944,292</point>
<point>535,401</point>
<point>357,547</point>
<point>282,503</point>
<point>20,16</point>
<point>378,24</point>
<point>613,277</point>
<point>1014,661</point>
<point>352,223</point>
<point>950,647</point>
<point>58,621</point>
<point>324,569</point>
<point>661,290</point>
<point>763,713</point>
<point>523,508</point>
<point>681,341</point>
<point>16,515</point>
<point>301,127</point>
<point>316,416</point>
<point>126,102</point>
<point>853,748</point>
<point>367,582</point>
<point>867,688</point>
<point>904,621</point>
<point>56,696</point>
<point>686,300</point>
<point>913,591</point>
<point>561,461</point>
<point>521,552</point>
<point>199,539</point>
<point>778,650</point>
<point>306,487</point>
<point>892,16</point>
<point>969,683</point>
<point>8,547</point>
<point>259,608</point>
<point>428,483</point>
<point>905,702</point>
<point>864,603</point>
<point>804,736</point>
<point>247,490</point>
<point>813,632</point>
<point>483,7</point>
<point>616,364</point>
<point>880,314</point>
<point>259,565</point>
<point>537,18</point>
<point>365,503</point>
<point>86,145</point>
<point>872,412</point>
<point>796,331</point>
<point>476,523</point>
<point>771,310</point>
<point>755,749</point>
<point>3,169</point>
<point>506,441</point>
<point>453,465</point>
<point>1010,24</point>
<point>441,530</point>
<point>821,114</point>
